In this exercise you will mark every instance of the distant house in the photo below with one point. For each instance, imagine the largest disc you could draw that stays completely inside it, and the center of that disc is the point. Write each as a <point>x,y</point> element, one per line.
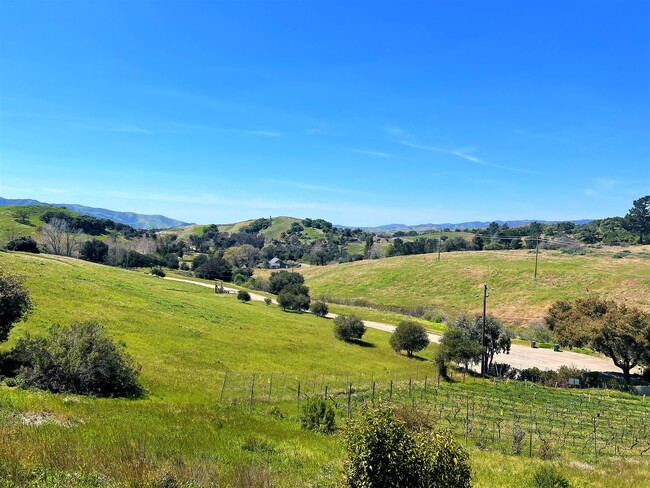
<point>277,263</point>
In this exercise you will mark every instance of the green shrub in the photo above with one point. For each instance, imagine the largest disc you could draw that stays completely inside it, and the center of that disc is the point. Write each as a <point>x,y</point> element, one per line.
<point>318,415</point>
<point>239,279</point>
<point>294,297</point>
<point>79,359</point>
<point>348,327</point>
<point>549,477</point>
<point>157,271</point>
<point>11,382</point>
<point>255,444</point>
<point>382,451</point>
<point>24,244</point>
<point>268,301</point>
<point>243,296</point>
<point>319,308</point>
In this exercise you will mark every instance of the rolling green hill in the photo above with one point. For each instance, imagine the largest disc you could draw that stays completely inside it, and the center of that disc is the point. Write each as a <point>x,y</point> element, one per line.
<point>10,228</point>
<point>193,346</point>
<point>453,283</point>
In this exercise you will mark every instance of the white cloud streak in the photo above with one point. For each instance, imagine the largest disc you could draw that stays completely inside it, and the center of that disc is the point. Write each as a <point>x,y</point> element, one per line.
<point>468,157</point>
<point>378,154</point>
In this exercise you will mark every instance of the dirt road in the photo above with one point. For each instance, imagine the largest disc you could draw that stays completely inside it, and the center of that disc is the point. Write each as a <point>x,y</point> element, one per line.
<point>519,357</point>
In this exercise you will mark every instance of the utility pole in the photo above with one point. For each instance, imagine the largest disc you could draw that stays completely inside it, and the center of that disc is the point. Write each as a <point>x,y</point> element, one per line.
<point>536,256</point>
<point>483,351</point>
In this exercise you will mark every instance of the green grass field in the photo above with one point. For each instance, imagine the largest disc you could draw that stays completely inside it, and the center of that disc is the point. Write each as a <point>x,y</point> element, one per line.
<point>187,338</point>
<point>452,283</point>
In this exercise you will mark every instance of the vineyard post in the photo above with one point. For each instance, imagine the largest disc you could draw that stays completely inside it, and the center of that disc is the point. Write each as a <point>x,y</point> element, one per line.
<point>373,393</point>
<point>223,386</point>
<point>595,449</point>
<point>298,398</point>
<point>466,418</point>
<point>349,400</point>
<point>410,382</point>
<point>250,403</point>
<point>325,392</point>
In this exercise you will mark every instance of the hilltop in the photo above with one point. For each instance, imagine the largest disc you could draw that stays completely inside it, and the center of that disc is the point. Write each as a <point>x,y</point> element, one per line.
<point>135,220</point>
<point>451,284</point>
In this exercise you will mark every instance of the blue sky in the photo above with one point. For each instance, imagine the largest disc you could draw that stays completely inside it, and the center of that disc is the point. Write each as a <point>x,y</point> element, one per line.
<point>362,113</point>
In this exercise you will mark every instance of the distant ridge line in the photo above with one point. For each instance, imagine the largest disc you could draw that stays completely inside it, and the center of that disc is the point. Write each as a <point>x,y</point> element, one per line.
<point>136,220</point>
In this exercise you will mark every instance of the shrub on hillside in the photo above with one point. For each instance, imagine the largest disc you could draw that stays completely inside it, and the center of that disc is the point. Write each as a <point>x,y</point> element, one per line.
<point>243,296</point>
<point>318,415</point>
<point>94,251</point>
<point>319,308</point>
<point>80,359</point>
<point>158,271</point>
<point>294,297</point>
<point>549,477</point>
<point>24,244</point>
<point>348,328</point>
<point>268,301</point>
<point>15,303</point>
<point>382,451</point>
<point>280,280</point>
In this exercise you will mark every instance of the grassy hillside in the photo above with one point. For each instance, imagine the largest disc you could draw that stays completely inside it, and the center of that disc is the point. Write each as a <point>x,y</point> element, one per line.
<point>453,283</point>
<point>10,228</point>
<point>186,338</point>
<point>280,225</point>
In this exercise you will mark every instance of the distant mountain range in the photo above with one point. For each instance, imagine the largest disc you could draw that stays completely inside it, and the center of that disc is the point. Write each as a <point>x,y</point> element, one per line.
<point>138,221</point>
<point>464,225</point>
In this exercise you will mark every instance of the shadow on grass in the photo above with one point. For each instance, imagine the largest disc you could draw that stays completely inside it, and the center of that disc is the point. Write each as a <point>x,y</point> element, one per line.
<point>360,343</point>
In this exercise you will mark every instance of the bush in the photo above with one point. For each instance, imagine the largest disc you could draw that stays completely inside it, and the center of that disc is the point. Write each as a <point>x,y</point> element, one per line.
<point>348,328</point>
<point>294,297</point>
<point>157,271</point>
<point>382,451</point>
<point>409,336</point>
<point>318,415</point>
<point>94,251</point>
<point>280,280</point>
<point>319,308</point>
<point>24,244</point>
<point>243,296</point>
<point>239,279</point>
<point>80,359</point>
<point>198,261</point>
<point>268,301</point>
<point>549,477</point>
<point>15,303</point>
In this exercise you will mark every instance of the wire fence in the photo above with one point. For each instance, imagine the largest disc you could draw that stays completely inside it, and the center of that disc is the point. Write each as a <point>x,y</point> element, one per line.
<point>511,416</point>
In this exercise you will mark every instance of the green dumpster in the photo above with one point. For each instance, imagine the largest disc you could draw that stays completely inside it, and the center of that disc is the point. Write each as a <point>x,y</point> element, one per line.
<point>556,347</point>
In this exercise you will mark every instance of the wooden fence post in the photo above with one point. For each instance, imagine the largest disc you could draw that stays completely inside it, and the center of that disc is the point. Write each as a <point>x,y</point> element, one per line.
<point>223,386</point>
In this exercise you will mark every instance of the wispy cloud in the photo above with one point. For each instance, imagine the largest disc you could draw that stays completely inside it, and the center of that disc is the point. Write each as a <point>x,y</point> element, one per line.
<point>308,186</point>
<point>181,127</point>
<point>379,154</point>
<point>464,154</point>
<point>396,131</point>
<point>126,129</point>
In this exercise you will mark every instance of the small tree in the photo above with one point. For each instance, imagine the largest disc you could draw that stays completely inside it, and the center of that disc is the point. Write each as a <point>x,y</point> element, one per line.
<point>21,215</point>
<point>319,308</point>
<point>638,218</point>
<point>214,269</point>
<point>268,301</point>
<point>348,327</point>
<point>243,296</point>
<point>409,336</point>
<point>279,280</point>
<point>94,250</point>
<point>294,298</point>
<point>15,303</point>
